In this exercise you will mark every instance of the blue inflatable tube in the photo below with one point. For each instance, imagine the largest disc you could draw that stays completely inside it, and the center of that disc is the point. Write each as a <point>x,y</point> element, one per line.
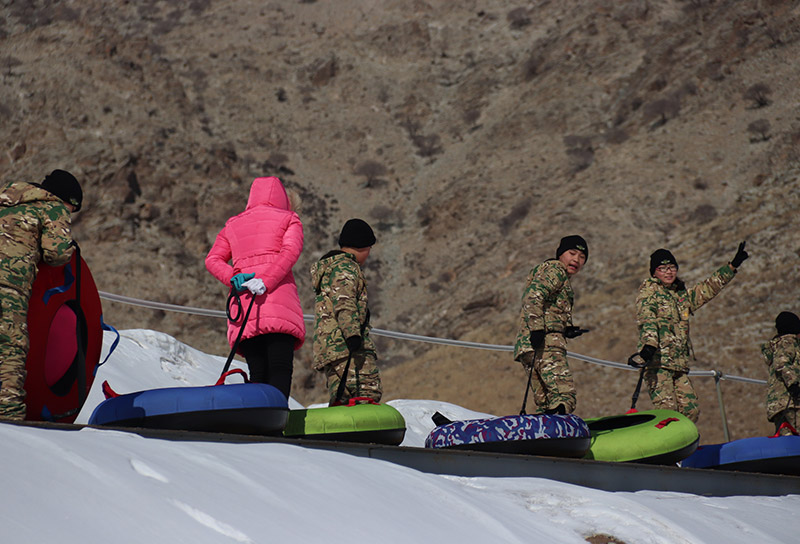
<point>556,435</point>
<point>245,408</point>
<point>771,455</point>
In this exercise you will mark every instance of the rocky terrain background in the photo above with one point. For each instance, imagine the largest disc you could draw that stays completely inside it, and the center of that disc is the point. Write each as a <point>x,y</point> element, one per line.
<point>472,135</point>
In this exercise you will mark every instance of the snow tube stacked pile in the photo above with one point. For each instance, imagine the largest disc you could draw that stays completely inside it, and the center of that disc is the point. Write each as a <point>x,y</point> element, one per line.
<point>65,337</point>
<point>558,435</point>
<point>244,408</point>
<point>367,423</point>
<point>771,455</point>
<point>649,436</point>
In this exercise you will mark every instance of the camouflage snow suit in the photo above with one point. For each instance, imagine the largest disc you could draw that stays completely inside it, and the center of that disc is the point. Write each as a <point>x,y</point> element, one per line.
<point>341,311</point>
<point>782,355</point>
<point>34,226</point>
<point>547,305</point>
<point>662,315</point>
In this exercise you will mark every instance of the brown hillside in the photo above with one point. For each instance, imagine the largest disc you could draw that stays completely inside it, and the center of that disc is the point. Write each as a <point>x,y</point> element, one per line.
<point>472,135</point>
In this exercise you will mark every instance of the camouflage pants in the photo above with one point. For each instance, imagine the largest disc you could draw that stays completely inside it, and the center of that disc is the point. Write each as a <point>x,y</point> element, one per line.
<point>788,415</point>
<point>363,378</point>
<point>551,381</point>
<point>671,390</point>
<point>13,352</point>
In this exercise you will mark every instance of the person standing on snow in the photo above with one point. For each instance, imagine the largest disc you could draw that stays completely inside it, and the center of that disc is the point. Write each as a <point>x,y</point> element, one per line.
<point>263,243</point>
<point>35,224</point>
<point>663,308</point>
<point>782,355</point>
<point>545,321</point>
<point>341,317</point>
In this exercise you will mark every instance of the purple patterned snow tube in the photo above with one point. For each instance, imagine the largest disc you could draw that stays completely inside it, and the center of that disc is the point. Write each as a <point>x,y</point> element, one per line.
<point>562,435</point>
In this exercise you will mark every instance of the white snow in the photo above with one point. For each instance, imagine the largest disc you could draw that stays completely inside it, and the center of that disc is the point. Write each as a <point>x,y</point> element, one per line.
<point>87,486</point>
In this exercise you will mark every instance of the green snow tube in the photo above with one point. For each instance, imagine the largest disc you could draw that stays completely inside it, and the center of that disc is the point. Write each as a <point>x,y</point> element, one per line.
<point>368,423</point>
<point>650,436</point>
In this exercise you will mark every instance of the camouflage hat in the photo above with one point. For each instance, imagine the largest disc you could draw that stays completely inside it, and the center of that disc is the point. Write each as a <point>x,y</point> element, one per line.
<point>787,323</point>
<point>64,185</point>
<point>660,257</point>
<point>573,242</point>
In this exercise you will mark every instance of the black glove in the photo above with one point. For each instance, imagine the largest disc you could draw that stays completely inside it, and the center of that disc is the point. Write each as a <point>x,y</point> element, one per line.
<point>636,361</point>
<point>537,338</point>
<point>794,390</point>
<point>574,332</point>
<point>740,257</point>
<point>647,353</point>
<point>353,343</point>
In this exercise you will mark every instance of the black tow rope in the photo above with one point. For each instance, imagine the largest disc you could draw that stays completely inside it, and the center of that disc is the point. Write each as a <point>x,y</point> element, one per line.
<point>80,331</point>
<point>79,362</point>
<point>522,411</point>
<point>234,297</point>
<point>636,361</point>
<point>343,382</point>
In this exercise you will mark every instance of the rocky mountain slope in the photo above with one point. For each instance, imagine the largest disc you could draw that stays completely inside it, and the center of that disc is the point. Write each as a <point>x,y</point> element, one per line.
<point>472,135</point>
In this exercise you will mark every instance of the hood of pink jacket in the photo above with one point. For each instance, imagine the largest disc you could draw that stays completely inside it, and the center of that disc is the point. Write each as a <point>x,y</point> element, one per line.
<point>268,191</point>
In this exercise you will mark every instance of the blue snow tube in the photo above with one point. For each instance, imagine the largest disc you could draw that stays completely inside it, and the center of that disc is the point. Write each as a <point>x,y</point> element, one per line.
<point>771,455</point>
<point>244,408</point>
<point>556,435</point>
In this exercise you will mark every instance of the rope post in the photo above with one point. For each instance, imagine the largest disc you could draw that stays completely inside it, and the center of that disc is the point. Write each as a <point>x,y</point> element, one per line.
<point>718,376</point>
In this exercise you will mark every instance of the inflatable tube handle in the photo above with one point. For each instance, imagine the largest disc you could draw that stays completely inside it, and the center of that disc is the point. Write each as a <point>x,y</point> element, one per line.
<point>665,422</point>
<point>108,392</point>
<point>364,400</point>
<point>785,425</point>
<point>221,380</point>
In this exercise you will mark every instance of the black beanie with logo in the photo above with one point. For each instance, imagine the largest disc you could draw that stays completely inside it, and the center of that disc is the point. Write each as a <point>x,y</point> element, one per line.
<point>64,185</point>
<point>357,234</point>
<point>661,257</point>
<point>572,242</point>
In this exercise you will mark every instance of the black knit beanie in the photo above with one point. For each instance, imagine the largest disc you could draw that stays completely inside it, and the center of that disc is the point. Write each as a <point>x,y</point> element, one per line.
<point>64,185</point>
<point>787,323</point>
<point>573,242</point>
<point>356,233</point>
<point>660,257</point>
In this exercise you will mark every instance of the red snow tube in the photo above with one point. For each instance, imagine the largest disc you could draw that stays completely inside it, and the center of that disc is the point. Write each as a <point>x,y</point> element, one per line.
<point>66,336</point>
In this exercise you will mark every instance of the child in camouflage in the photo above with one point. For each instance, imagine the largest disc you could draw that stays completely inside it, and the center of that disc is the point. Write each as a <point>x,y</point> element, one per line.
<point>782,355</point>
<point>35,222</point>
<point>663,307</point>
<point>545,320</point>
<point>341,317</point>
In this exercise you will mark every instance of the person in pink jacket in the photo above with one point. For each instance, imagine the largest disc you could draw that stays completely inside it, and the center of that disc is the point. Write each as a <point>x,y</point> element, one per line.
<point>262,244</point>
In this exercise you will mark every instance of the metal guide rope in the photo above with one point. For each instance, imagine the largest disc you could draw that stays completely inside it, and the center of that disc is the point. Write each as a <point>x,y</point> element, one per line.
<point>716,374</point>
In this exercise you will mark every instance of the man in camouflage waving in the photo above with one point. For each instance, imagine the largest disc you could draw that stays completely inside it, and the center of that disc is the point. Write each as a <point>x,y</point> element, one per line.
<point>341,317</point>
<point>663,307</point>
<point>545,321</point>
<point>34,225</point>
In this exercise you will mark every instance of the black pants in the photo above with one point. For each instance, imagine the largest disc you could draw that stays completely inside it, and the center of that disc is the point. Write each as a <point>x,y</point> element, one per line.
<point>269,358</point>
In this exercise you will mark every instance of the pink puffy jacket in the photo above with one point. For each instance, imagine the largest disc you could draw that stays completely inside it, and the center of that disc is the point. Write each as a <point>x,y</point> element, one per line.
<point>266,239</point>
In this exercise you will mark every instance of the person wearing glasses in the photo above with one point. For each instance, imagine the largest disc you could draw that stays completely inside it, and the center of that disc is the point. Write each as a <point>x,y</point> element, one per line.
<point>663,307</point>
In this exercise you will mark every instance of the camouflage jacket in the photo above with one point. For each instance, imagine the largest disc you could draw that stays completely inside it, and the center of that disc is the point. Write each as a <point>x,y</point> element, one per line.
<point>340,307</point>
<point>782,355</point>
<point>34,226</point>
<point>546,305</point>
<point>662,315</point>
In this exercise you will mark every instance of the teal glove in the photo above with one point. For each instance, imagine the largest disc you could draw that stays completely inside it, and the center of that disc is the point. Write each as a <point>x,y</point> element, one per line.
<point>238,281</point>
